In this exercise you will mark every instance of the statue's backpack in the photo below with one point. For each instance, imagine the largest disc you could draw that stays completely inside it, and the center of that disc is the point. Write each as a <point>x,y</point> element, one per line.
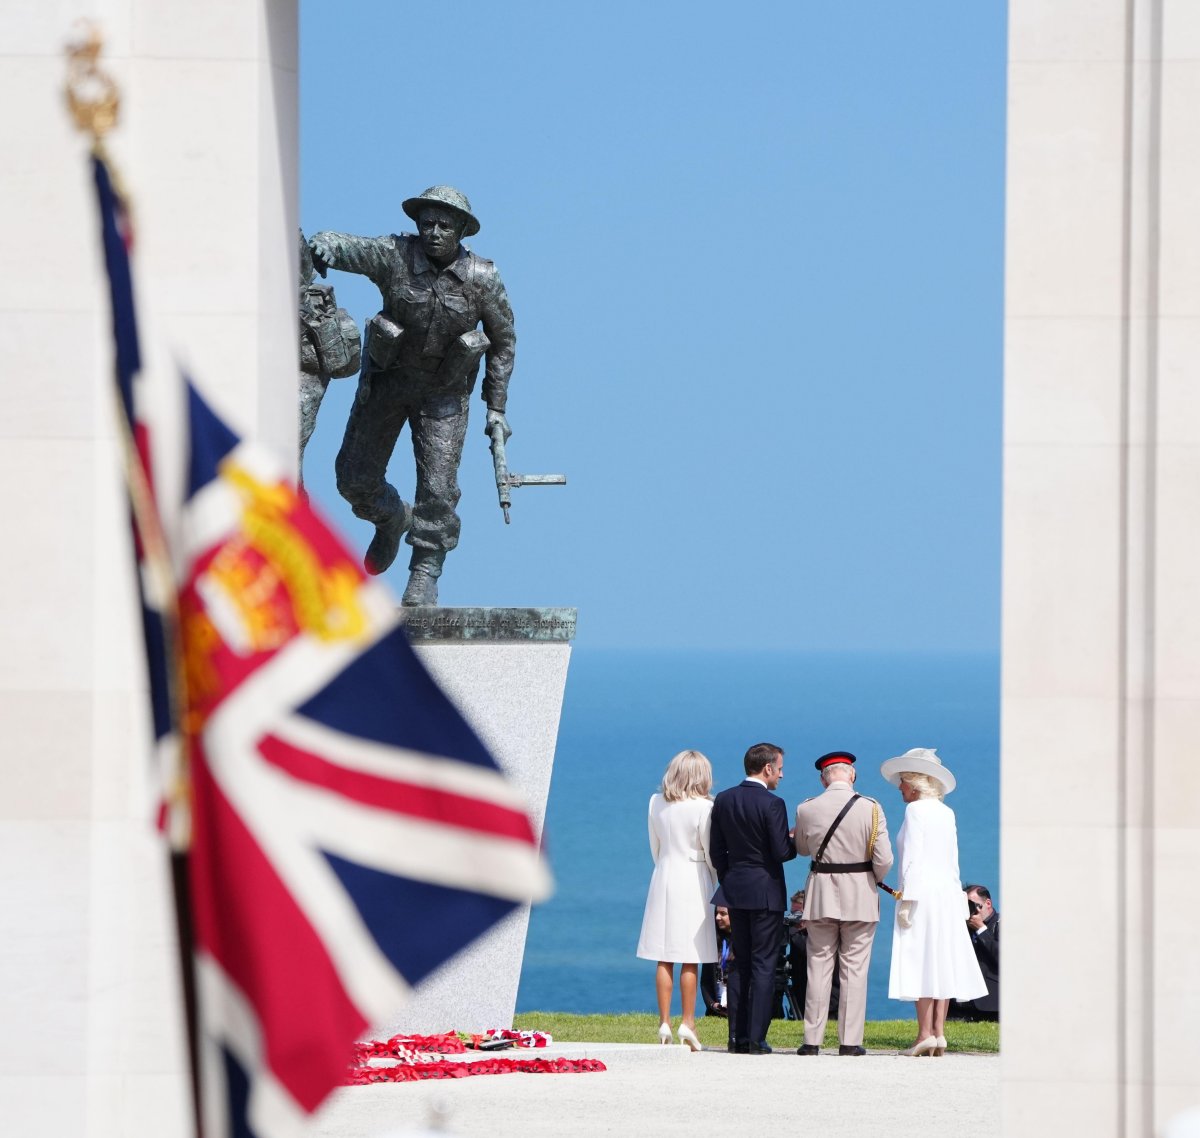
<point>329,340</point>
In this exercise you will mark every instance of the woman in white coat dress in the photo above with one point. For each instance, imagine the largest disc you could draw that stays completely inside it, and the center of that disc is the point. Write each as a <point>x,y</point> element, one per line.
<point>932,958</point>
<point>677,927</point>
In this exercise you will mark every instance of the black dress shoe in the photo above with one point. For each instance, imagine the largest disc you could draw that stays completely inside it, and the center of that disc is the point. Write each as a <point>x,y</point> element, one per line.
<point>808,1049</point>
<point>856,1050</point>
<point>738,1048</point>
<point>763,1048</point>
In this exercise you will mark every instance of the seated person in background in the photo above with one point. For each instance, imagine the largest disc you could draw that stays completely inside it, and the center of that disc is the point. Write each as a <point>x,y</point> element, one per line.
<point>714,978</point>
<point>797,949</point>
<point>984,927</point>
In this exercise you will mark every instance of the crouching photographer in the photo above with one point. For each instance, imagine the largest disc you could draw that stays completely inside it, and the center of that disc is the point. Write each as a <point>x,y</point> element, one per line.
<point>715,978</point>
<point>983,924</point>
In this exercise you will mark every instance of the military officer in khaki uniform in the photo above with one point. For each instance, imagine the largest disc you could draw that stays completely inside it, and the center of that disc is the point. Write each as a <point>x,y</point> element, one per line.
<point>841,899</point>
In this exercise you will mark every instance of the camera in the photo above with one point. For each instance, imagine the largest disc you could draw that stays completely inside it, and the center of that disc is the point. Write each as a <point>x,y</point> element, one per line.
<point>790,919</point>
<point>973,907</point>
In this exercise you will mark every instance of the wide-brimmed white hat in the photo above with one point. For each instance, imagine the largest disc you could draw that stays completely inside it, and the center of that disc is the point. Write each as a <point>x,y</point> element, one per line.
<point>920,760</point>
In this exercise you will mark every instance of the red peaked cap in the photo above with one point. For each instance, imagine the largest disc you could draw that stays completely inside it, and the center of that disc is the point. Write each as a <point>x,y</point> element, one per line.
<point>833,758</point>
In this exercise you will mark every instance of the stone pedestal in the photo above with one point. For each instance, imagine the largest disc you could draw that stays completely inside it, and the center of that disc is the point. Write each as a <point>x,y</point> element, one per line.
<point>506,670</point>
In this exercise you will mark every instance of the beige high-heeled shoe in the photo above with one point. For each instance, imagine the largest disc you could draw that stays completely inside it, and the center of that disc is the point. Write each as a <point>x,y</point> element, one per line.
<point>687,1038</point>
<point>664,1033</point>
<point>925,1047</point>
<point>940,1049</point>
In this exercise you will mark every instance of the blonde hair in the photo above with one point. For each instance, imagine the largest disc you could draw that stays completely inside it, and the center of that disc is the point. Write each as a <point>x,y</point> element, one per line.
<point>925,785</point>
<point>689,775</point>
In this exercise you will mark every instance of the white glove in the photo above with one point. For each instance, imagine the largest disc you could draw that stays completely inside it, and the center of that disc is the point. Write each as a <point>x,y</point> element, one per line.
<point>904,914</point>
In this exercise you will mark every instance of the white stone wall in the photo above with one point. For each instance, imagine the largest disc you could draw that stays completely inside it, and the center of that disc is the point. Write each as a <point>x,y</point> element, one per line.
<point>90,1042</point>
<point>1101,668</point>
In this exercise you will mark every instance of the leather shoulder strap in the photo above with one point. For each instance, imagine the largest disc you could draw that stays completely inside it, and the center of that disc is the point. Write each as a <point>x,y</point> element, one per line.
<point>836,823</point>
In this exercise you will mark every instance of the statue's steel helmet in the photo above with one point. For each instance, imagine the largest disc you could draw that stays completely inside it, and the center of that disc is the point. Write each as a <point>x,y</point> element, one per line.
<point>448,197</point>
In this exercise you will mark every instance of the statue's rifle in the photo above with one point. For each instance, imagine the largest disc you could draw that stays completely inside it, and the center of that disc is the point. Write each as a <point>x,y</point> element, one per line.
<point>506,481</point>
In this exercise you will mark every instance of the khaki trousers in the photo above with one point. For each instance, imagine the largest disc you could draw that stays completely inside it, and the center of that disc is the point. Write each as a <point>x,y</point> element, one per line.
<point>850,942</point>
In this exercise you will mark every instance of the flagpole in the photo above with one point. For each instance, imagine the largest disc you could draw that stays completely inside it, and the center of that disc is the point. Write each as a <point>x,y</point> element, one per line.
<point>94,103</point>
<point>181,892</point>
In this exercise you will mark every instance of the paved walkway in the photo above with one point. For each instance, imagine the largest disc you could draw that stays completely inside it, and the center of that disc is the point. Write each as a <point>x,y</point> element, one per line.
<point>652,1090</point>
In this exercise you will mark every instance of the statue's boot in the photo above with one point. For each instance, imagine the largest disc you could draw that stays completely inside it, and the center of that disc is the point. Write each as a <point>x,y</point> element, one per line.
<point>386,542</point>
<point>424,570</point>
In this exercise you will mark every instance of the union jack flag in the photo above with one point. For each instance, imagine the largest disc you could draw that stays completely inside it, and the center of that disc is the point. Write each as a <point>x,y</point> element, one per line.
<point>331,789</point>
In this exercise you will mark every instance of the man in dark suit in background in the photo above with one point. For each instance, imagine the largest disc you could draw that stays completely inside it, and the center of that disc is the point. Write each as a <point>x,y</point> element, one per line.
<point>750,842</point>
<point>984,927</point>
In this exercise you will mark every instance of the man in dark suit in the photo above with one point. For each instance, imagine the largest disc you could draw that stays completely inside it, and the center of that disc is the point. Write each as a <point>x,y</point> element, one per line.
<point>984,927</point>
<point>750,842</point>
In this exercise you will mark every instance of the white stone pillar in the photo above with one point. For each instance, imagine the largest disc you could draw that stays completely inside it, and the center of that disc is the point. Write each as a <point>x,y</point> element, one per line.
<point>1101,641</point>
<point>90,1039</point>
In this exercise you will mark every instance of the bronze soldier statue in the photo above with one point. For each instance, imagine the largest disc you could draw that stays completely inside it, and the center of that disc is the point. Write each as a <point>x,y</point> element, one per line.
<point>419,366</point>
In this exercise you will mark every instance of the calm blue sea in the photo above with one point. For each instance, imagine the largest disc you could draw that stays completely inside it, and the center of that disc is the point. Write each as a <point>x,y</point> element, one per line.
<point>627,713</point>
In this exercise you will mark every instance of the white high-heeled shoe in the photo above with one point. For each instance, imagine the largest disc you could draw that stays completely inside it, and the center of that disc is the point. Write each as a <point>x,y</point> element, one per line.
<point>687,1038</point>
<point>664,1033</point>
<point>925,1047</point>
<point>940,1049</point>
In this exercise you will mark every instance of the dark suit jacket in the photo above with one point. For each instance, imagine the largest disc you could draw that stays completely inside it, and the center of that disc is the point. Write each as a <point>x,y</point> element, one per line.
<point>986,943</point>
<point>712,974</point>
<point>749,845</point>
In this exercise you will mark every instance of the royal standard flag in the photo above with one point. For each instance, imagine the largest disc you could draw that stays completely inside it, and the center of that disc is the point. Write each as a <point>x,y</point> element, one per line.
<point>325,787</point>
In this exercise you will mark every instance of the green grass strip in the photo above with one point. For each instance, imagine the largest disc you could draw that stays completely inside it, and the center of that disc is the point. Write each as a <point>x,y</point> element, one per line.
<point>637,1027</point>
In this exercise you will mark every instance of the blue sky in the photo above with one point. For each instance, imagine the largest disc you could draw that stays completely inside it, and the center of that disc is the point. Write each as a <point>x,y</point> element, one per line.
<point>755,254</point>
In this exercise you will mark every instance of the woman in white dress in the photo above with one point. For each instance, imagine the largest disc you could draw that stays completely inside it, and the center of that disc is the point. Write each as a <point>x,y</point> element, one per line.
<point>677,927</point>
<point>932,958</point>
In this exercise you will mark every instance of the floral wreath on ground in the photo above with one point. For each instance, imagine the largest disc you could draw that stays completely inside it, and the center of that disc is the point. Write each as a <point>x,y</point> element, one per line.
<point>417,1057</point>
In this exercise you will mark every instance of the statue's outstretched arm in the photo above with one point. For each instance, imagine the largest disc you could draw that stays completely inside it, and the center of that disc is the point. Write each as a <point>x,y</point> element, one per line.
<point>367,256</point>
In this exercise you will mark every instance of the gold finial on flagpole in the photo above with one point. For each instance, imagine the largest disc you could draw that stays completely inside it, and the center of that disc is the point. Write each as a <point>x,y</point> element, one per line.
<point>91,93</point>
